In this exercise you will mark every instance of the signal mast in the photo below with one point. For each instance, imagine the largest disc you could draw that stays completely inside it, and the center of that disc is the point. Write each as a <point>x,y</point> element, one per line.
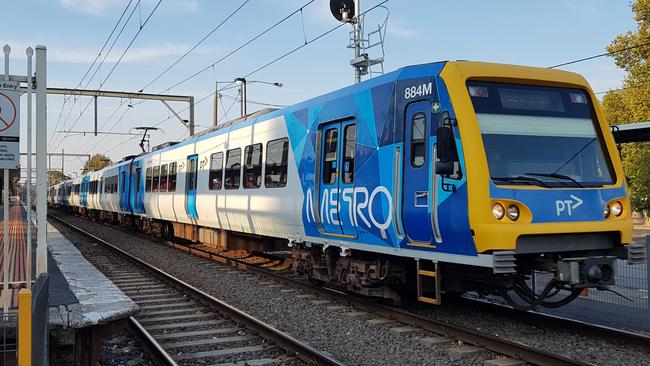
<point>348,11</point>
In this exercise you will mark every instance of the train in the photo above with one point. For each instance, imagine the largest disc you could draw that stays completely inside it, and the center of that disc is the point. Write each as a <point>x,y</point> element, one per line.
<point>439,178</point>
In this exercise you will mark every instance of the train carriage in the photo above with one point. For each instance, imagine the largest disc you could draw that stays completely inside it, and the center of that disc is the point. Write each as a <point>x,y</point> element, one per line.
<point>450,176</point>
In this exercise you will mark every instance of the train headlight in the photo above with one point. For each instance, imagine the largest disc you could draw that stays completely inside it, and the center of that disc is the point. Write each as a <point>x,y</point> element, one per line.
<point>616,208</point>
<point>606,211</point>
<point>498,211</point>
<point>513,212</point>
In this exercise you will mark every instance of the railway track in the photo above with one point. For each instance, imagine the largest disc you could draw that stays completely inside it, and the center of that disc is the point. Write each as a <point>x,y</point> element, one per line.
<point>181,324</point>
<point>495,344</point>
<point>464,335</point>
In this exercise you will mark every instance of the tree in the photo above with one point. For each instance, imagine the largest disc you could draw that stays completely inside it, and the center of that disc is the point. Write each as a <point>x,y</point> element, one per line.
<point>55,177</point>
<point>632,102</point>
<point>96,162</point>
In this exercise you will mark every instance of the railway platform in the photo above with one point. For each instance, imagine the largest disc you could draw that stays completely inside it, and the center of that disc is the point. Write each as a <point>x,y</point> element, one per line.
<point>83,305</point>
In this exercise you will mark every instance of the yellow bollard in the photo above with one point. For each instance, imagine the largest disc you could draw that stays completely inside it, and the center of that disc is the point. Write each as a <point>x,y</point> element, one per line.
<point>25,327</point>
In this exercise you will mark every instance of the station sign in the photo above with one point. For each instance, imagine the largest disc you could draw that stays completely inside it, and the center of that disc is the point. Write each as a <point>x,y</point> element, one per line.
<point>9,125</point>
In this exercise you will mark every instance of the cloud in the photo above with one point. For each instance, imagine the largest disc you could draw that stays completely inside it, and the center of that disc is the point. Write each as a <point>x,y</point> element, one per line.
<point>94,7</point>
<point>141,54</point>
<point>99,7</point>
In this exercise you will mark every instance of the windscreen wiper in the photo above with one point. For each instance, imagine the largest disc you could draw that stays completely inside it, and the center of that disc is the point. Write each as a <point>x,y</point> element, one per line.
<point>557,176</point>
<point>522,179</point>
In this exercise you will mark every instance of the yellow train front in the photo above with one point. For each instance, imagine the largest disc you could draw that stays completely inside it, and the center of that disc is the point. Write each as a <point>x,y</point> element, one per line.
<point>545,185</point>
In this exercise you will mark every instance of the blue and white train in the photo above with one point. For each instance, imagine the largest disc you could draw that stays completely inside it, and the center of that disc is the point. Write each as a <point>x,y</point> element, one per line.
<point>449,176</point>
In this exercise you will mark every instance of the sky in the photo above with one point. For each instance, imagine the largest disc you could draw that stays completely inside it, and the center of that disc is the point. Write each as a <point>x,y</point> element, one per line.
<point>532,33</point>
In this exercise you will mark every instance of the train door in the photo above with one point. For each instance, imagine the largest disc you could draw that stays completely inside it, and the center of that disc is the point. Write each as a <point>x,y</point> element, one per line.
<point>335,204</point>
<point>419,185</point>
<point>124,191</point>
<point>190,186</point>
<point>85,188</point>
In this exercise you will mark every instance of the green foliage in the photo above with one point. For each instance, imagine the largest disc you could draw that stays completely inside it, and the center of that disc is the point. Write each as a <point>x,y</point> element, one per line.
<point>632,103</point>
<point>96,162</point>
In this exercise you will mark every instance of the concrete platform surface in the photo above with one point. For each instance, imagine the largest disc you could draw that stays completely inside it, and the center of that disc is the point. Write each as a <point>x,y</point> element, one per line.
<point>98,300</point>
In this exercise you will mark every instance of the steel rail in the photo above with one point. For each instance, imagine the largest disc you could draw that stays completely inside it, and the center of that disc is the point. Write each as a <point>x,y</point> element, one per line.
<point>293,346</point>
<point>150,343</point>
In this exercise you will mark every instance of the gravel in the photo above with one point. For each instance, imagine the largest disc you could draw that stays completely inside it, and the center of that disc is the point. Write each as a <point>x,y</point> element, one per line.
<point>352,339</point>
<point>124,350</point>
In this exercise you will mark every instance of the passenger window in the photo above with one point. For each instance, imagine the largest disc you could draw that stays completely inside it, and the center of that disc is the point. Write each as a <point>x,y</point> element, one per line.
<point>191,175</point>
<point>172,178</point>
<point>147,184</point>
<point>253,166</point>
<point>233,169</point>
<point>216,171</point>
<point>156,179</point>
<point>138,173</point>
<point>276,163</point>
<point>330,154</point>
<point>348,153</point>
<point>163,178</point>
<point>418,138</point>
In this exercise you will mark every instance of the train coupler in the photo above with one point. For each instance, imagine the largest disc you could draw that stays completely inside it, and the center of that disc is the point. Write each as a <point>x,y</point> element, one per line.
<point>587,272</point>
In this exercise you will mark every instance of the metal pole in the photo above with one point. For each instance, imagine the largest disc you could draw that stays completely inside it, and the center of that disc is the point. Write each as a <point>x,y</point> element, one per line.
<point>30,53</point>
<point>95,115</point>
<point>242,94</point>
<point>5,217</point>
<point>62,162</point>
<point>215,105</point>
<point>41,153</point>
<point>5,238</point>
<point>357,40</point>
<point>191,101</point>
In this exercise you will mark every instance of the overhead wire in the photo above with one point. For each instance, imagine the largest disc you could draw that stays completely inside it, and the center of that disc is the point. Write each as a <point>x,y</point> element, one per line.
<point>218,26</point>
<point>599,55</point>
<point>116,63</point>
<point>320,36</point>
<point>210,33</point>
<point>66,98</point>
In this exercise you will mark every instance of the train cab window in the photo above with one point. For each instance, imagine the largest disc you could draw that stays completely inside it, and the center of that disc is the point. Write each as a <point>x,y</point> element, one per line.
<point>156,179</point>
<point>418,140</point>
<point>233,169</point>
<point>349,146</point>
<point>330,152</point>
<point>253,166</point>
<point>216,171</point>
<point>277,152</point>
<point>171,185</point>
<point>123,187</point>
<point>163,178</point>
<point>147,182</point>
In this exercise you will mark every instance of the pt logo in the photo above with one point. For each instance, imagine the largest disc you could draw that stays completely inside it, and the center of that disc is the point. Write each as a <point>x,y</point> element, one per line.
<point>567,206</point>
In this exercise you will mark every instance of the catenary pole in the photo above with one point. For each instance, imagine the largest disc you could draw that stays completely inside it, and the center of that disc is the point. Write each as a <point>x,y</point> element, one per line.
<point>28,183</point>
<point>41,156</point>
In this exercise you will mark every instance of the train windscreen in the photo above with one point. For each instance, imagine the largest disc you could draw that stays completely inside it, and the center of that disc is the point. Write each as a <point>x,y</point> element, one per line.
<point>541,136</point>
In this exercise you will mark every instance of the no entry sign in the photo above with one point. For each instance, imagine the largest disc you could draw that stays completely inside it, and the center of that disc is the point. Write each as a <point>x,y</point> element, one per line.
<point>9,125</point>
